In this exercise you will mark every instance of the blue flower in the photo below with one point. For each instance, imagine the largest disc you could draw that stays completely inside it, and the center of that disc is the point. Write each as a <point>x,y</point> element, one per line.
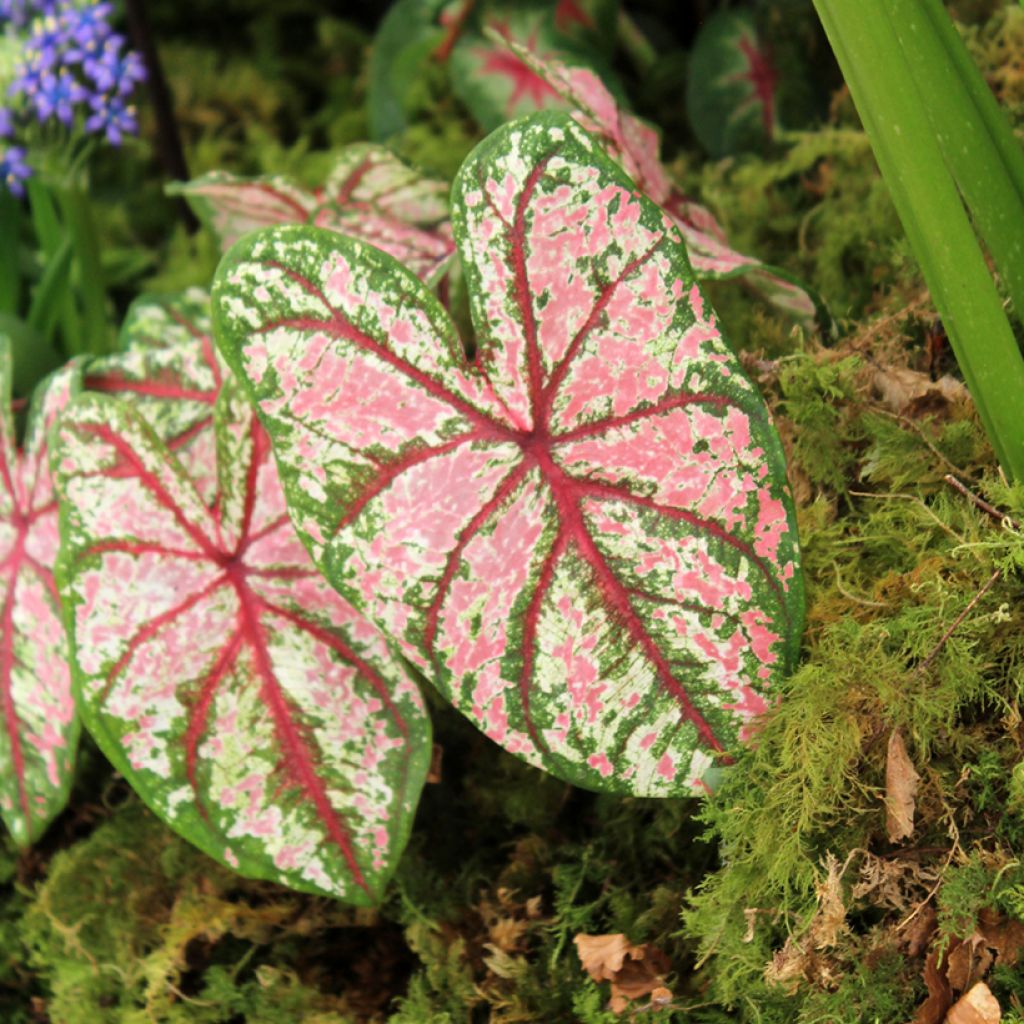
<point>83,25</point>
<point>20,13</point>
<point>14,170</point>
<point>57,96</point>
<point>73,61</point>
<point>112,117</point>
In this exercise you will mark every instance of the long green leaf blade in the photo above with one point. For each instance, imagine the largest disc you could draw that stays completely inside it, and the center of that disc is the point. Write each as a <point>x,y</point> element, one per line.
<point>930,207</point>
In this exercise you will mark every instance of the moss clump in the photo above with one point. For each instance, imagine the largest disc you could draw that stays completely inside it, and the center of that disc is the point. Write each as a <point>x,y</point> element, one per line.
<point>133,926</point>
<point>913,626</point>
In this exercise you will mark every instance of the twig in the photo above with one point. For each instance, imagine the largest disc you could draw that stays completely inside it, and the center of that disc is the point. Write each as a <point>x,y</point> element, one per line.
<point>990,583</point>
<point>999,517</point>
<point>907,422</point>
<point>954,834</point>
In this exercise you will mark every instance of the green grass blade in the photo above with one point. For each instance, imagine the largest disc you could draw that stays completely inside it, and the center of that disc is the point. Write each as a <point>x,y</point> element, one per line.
<point>10,252</point>
<point>976,139</point>
<point>96,334</point>
<point>929,205</point>
<point>52,300</point>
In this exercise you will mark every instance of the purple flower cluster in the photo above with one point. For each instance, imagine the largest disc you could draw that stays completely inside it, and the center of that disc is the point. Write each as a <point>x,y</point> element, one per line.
<point>74,70</point>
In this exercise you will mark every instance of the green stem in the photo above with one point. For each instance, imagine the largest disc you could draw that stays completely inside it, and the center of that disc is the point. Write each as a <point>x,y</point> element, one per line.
<point>10,251</point>
<point>91,289</point>
<point>54,288</point>
<point>637,46</point>
<point>928,203</point>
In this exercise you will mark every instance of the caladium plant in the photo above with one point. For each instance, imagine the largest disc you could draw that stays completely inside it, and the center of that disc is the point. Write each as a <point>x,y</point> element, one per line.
<point>168,367</point>
<point>635,146</point>
<point>40,728</point>
<point>244,700</point>
<point>419,36</point>
<point>494,82</point>
<point>584,537</point>
<point>732,88</point>
<point>369,194</point>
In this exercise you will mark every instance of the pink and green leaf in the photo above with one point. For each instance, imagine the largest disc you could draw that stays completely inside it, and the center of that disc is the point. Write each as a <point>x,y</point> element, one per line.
<point>169,368</point>
<point>370,194</point>
<point>732,87</point>
<point>635,145</point>
<point>585,537</point>
<point>492,77</point>
<point>246,702</point>
<point>39,734</point>
<point>231,206</point>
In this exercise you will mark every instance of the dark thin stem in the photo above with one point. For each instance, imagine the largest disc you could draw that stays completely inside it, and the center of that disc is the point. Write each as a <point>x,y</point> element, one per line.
<point>989,584</point>
<point>991,510</point>
<point>168,138</point>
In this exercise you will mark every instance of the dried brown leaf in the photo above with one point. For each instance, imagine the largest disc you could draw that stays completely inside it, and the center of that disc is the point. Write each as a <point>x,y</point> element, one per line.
<point>901,781</point>
<point>1002,934</point>
<point>634,971</point>
<point>921,930</point>
<point>908,391</point>
<point>829,923</point>
<point>967,961</point>
<point>789,966</point>
<point>533,908</point>
<point>602,955</point>
<point>940,995</point>
<point>506,933</point>
<point>978,1006</point>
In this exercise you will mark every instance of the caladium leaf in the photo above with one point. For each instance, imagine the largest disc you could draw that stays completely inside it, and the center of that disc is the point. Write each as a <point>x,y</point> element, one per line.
<point>370,194</point>
<point>170,370</point>
<point>732,84</point>
<point>635,146</point>
<point>492,78</point>
<point>589,22</point>
<point>247,703</point>
<point>39,735</point>
<point>585,538</point>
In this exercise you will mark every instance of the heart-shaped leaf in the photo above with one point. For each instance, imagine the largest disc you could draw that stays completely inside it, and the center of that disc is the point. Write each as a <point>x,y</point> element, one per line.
<point>245,701</point>
<point>370,194</point>
<point>169,369</point>
<point>40,728</point>
<point>492,78</point>
<point>586,537</point>
<point>635,146</point>
<point>732,85</point>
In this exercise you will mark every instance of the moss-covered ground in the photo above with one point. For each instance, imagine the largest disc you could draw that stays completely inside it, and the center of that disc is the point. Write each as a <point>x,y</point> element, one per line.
<point>780,898</point>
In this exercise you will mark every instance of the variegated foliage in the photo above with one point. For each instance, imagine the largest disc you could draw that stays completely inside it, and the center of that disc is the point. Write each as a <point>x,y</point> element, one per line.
<point>491,78</point>
<point>635,146</point>
<point>732,85</point>
<point>169,369</point>
<point>246,702</point>
<point>40,727</point>
<point>585,537</point>
<point>370,194</point>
